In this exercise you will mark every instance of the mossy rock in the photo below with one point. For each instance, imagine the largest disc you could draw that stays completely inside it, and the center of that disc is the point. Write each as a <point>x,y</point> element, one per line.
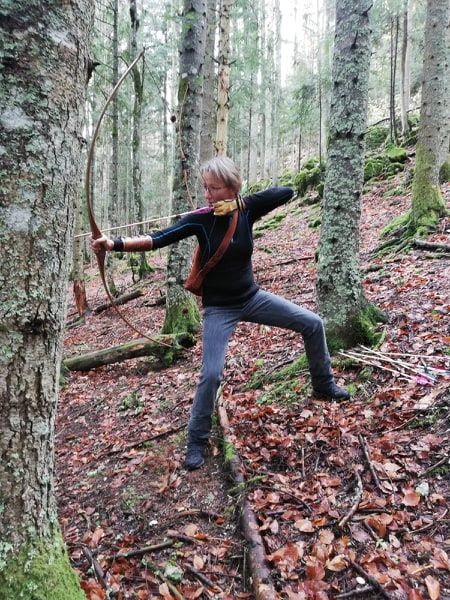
<point>286,179</point>
<point>311,163</point>
<point>374,167</point>
<point>396,154</point>
<point>309,178</point>
<point>273,223</point>
<point>258,186</point>
<point>393,169</point>
<point>375,137</point>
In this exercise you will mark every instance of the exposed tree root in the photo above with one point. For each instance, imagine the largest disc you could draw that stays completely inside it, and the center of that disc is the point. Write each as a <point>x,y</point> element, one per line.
<point>262,584</point>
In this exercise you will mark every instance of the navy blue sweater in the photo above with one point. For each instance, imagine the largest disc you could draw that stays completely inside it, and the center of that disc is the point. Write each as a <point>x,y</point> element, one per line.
<point>232,280</point>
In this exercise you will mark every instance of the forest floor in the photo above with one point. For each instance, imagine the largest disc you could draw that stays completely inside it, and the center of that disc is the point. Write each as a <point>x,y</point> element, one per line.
<point>351,498</point>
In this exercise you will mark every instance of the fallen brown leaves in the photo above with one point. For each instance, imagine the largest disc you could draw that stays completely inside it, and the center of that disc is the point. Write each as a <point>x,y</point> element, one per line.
<point>351,499</point>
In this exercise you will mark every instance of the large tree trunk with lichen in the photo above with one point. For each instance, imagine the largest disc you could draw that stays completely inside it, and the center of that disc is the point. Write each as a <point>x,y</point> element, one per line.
<point>181,308</point>
<point>44,72</point>
<point>340,295</point>
<point>432,141</point>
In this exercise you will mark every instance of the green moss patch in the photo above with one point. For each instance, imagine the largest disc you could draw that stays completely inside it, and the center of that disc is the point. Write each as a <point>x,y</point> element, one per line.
<point>40,571</point>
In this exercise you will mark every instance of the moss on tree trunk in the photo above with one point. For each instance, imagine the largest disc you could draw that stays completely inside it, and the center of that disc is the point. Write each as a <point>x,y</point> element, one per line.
<point>39,571</point>
<point>427,204</point>
<point>182,316</point>
<point>341,300</point>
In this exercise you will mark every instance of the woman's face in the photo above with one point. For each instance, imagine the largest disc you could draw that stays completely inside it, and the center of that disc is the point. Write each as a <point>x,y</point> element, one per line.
<point>216,190</point>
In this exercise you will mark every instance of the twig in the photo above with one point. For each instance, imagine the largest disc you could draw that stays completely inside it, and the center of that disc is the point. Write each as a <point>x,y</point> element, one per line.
<point>396,362</point>
<point>358,358</point>
<point>373,582</point>
<point>354,507</point>
<point>288,494</point>
<point>402,425</point>
<point>141,442</point>
<point>355,592</point>
<point>144,550</point>
<point>172,589</point>
<point>435,466</point>
<point>99,573</point>
<point>365,448</point>
<point>203,578</point>
<point>303,463</point>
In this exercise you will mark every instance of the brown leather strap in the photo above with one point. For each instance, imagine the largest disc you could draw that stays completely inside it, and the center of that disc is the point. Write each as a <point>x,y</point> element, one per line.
<point>198,274</point>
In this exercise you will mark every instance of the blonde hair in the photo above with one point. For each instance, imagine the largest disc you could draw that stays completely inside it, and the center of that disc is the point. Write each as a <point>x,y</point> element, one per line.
<point>225,170</point>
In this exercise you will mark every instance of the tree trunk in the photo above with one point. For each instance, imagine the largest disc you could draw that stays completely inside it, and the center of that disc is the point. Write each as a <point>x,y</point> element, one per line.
<point>223,87</point>
<point>138,83</point>
<point>276,101</point>
<point>44,74</point>
<point>393,61</point>
<point>209,87</point>
<point>405,69</point>
<point>181,308</point>
<point>340,295</point>
<point>113,200</point>
<point>427,202</point>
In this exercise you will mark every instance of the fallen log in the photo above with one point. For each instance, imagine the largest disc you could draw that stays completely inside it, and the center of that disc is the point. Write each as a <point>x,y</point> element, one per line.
<point>163,347</point>
<point>431,246</point>
<point>261,581</point>
<point>120,300</point>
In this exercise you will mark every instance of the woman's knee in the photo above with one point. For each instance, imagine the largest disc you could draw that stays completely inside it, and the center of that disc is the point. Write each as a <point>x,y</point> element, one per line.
<point>314,325</point>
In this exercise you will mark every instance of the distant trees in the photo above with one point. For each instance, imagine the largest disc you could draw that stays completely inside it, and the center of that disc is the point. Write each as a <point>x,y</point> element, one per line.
<point>341,299</point>
<point>44,72</point>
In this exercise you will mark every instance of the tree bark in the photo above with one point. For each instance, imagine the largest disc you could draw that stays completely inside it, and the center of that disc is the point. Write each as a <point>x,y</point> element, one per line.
<point>44,74</point>
<point>181,308</point>
<point>223,89</point>
<point>427,202</point>
<point>209,111</point>
<point>405,69</point>
<point>340,294</point>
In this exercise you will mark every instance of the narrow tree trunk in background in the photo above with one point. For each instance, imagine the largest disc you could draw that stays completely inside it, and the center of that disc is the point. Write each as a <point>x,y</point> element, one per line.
<point>427,202</point>
<point>393,60</point>
<point>77,274</point>
<point>44,73</point>
<point>113,201</point>
<point>263,95</point>
<point>114,175</point>
<point>223,86</point>
<point>340,295</point>
<point>181,308</point>
<point>138,85</point>
<point>405,69</point>
<point>275,125</point>
<point>209,87</point>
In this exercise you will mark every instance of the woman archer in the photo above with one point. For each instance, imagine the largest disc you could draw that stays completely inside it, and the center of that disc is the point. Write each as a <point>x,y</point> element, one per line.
<point>229,292</point>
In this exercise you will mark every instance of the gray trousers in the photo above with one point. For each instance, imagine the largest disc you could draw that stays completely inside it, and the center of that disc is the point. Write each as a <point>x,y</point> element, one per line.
<point>219,323</point>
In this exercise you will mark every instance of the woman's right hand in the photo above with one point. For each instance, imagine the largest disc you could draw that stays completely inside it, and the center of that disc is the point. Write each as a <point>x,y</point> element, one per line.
<point>100,243</point>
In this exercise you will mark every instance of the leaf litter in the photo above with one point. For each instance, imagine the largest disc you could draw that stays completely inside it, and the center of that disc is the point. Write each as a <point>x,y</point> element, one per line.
<point>351,499</point>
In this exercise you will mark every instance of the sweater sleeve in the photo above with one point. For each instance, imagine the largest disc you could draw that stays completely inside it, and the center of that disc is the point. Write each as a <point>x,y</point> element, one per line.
<point>178,231</point>
<point>261,203</point>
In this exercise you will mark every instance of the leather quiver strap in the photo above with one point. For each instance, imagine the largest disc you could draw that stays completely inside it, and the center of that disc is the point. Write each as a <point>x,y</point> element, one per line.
<point>194,281</point>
